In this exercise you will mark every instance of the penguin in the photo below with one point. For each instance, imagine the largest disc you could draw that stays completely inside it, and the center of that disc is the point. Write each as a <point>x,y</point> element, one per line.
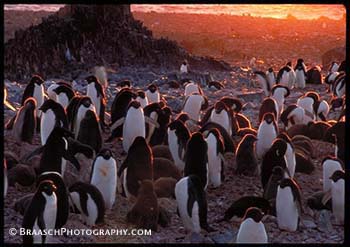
<point>192,204</point>
<point>242,120</point>
<point>119,109</point>
<point>307,103</point>
<point>25,121</point>
<point>162,151</point>
<point>89,202</point>
<point>292,115</point>
<point>267,132</point>
<point>330,164</point>
<point>317,130</point>
<point>50,90</point>
<point>292,76</point>
<point>104,176</point>
<point>89,131</point>
<point>163,167</point>
<point>271,77</point>
<point>290,154</point>
<point>333,67</point>
<point>240,206</point>
<point>329,80</point>
<point>300,72</point>
<point>152,111</point>
<point>5,178</point>
<point>145,212</point>
<point>152,94</point>
<point>216,84</point>
<point>194,104</point>
<point>178,135</point>
<point>222,115</point>
<point>35,89</point>
<point>215,157</point>
<point>21,174</point>
<point>252,230</point>
<point>63,95</point>
<point>196,158</point>
<point>124,84</point>
<point>315,202</point>
<point>246,161</point>
<point>138,165</point>
<point>6,103</point>
<point>268,105</point>
<point>159,135</point>
<point>243,131</point>
<point>283,76</point>
<point>165,187</point>
<point>41,213</point>
<point>270,190</point>
<point>141,97</point>
<point>234,103</point>
<point>275,156</point>
<point>279,93</point>
<point>288,205</point>
<point>321,110</point>
<point>101,76</point>
<point>191,88</point>
<point>338,195</point>
<point>339,85</point>
<point>342,66</point>
<point>96,93</point>
<point>53,114</point>
<point>263,81</point>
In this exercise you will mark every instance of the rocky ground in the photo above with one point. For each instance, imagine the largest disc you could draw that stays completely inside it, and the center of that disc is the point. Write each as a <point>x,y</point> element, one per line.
<point>219,199</point>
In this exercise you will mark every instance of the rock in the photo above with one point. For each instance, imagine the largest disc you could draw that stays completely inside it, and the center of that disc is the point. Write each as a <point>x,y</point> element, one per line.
<point>309,224</point>
<point>195,238</point>
<point>324,221</point>
<point>223,238</point>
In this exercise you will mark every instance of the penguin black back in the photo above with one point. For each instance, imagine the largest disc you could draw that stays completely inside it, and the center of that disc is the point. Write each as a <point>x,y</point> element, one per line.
<point>89,131</point>
<point>228,142</point>
<point>29,121</point>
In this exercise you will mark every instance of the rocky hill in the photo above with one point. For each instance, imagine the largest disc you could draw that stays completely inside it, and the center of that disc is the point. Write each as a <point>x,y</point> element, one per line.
<point>94,35</point>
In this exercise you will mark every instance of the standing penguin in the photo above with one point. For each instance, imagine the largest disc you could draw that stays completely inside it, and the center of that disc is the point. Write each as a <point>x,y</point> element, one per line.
<point>268,105</point>
<point>104,176</point>
<point>89,202</point>
<point>152,111</point>
<point>292,115</point>
<point>192,204</point>
<point>307,103</point>
<point>53,115</point>
<point>321,110</point>
<point>279,93</point>
<point>138,166</point>
<point>196,158</point>
<point>89,131</point>
<point>152,94</point>
<point>160,134</point>
<point>191,88</point>
<point>338,195</point>
<point>267,132</point>
<point>41,213</point>
<point>25,122</point>
<point>96,93</point>
<point>215,157</point>
<point>283,76</point>
<point>300,72</point>
<point>270,190</point>
<point>64,94</point>
<point>264,83</point>
<point>330,164</point>
<point>246,161</point>
<point>221,114</point>
<point>50,90</point>
<point>35,89</point>
<point>290,154</point>
<point>141,97</point>
<point>271,77</point>
<point>252,230</point>
<point>178,135</point>
<point>292,76</point>
<point>288,205</point>
<point>194,104</point>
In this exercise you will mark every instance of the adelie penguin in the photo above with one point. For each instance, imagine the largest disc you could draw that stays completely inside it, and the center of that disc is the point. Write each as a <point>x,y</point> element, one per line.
<point>53,114</point>
<point>196,158</point>
<point>160,134</point>
<point>234,103</point>
<point>270,190</point>
<point>35,89</point>
<point>246,161</point>
<point>178,135</point>
<point>252,230</point>
<point>104,176</point>
<point>267,132</point>
<point>41,213</point>
<point>292,115</point>
<point>89,131</point>
<point>152,94</point>
<point>50,90</point>
<point>321,110</point>
<point>268,105</point>
<point>63,95</point>
<point>288,205</point>
<point>300,72</point>
<point>215,157</point>
<point>191,88</point>
<point>307,103</point>
<point>192,204</point>
<point>271,77</point>
<point>330,164</point>
<point>279,93</point>
<point>263,81</point>
<point>338,195</point>
<point>194,104</point>
<point>283,75</point>
<point>141,97</point>
<point>152,111</point>
<point>96,93</point>
<point>290,154</point>
<point>88,200</point>
<point>338,88</point>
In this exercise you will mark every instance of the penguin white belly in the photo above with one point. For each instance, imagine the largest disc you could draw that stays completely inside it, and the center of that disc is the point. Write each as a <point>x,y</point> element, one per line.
<point>47,123</point>
<point>284,79</point>
<point>324,109</point>
<point>280,103</point>
<point>286,210</point>
<point>63,100</point>
<point>133,127</point>
<point>76,200</point>
<point>52,95</point>
<point>292,78</point>
<point>340,89</point>
<point>92,210</point>
<point>290,160</point>
<point>329,167</point>
<point>152,97</point>
<point>251,232</point>
<point>190,89</point>
<point>151,127</point>
<point>174,149</point>
<point>300,79</point>
<point>143,102</point>
<point>105,179</point>
<point>38,94</point>
<point>307,105</point>
<point>338,200</point>
<point>214,162</point>
<point>193,106</point>
<point>271,79</point>
<point>92,93</point>
<point>223,119</point>
<point>266,135</point>
<point>298,115</point>
<point>50,213</point>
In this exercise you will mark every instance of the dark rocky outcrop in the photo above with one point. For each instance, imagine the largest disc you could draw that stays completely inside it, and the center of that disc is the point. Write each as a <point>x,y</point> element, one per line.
<point>94,34</point>
<point>336,54</point>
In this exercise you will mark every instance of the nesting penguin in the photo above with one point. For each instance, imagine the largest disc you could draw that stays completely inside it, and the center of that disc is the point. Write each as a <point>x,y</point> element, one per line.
<point>104,176</point>
<point>191,88</point>
<point>292,115</point>
<point>321,110</point>
<point>267,132</point>
<point>288,205</point>
<point>252,230</point>
<point>330,164</point>
<point>89,202</point>
<point>300,72</point>
<point>64,94</point>
<point>41,213</point>
<point>192,204</point>
<point>246,161</point>
<point>152,94</point>
<point>35,89</point>
<point>307,103</point>
<point>96,93</point>
<point>220,114</point>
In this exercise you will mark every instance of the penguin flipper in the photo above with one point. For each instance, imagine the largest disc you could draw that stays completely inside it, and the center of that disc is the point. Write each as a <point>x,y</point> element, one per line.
<point>122,167</point>
<point>117,123</point>
<point>206,116</point>
<point>9,124</point>
<point>72,159</point>
<point>75,147</point>
<point>37,151</point>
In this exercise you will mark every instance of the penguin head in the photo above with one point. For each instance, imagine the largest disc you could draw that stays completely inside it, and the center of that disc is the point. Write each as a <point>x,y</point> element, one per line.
<point>105,153</point>
<point>37,80</point>
<point>183,117</point>
<point>270,70</point>
<point>152,88</point>
<point>215,132</point>
<point>284,136</point>
<point>90,115</point>
<point>167,111</point>
<point>48,104</point>
<point>279,147</point>
<point>289,64</point>
<point>30,103</point>
<point>47,187</point>
<point>338,174</point>
<point>124,83</point>
<point>315,96</point>
<point>249,138</point>
<point>141,94</point>
<point>269,118</point>
<point>234,103</point>
<point>286,89</point>
<point>219,106</point>
<point>254,213</point>
<point>91,79</point>
<point>300,61</point>
<point>86,101</point>
<point>134,104</point>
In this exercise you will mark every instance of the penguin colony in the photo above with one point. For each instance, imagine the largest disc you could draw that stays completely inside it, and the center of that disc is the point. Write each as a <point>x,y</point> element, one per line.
<point>181,156</point>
